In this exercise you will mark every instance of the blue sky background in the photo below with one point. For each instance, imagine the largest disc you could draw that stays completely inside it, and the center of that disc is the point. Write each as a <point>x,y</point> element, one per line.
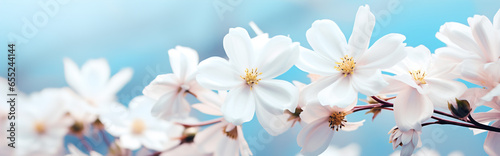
<point>138,34</point>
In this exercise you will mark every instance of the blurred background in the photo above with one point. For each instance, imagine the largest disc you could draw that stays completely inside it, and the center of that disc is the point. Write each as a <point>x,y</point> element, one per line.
<point>138,33</point>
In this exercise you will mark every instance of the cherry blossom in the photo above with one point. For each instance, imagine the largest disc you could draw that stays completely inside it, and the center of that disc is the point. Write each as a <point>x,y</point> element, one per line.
<point>408,140</point>
<point>170,89</point>
<point>248,75</point>
<point>348,68</point>
<point>321,123</point>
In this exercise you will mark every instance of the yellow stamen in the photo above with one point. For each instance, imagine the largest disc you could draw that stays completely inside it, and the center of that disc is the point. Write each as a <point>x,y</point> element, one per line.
<point>251,77</point>
<point>138,126</point>
<point>346,66</point>
<point>337,120</point>
<point>40,127</point>
<point>418,76</point>
<point>233,134</point>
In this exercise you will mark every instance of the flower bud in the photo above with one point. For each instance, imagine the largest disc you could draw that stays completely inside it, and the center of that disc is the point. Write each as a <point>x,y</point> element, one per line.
<point>460,108</point>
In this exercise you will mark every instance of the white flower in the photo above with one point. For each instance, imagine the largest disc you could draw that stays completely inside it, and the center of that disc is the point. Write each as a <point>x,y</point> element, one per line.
<point>221,138</point>
<point>183,137</point>
<point>42,123</point>
<point>93,83</point>
<point>419,87</point>
<point>73,151</point>
<point>352,149</point>
<point>321,123</point>
<point>170,89</point>
<point>248,75</point>
<point>137,127</point>
<point>408,140</point>
<point>348,68</point>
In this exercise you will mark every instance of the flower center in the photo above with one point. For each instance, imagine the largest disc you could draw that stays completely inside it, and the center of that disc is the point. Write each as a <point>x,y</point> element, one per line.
<point>418,76</point>
<point>337,120</point>
<point>188,135</point>
<point>346,66</point>
<point>138,126</point>
<point>40,127</point>
<point>233,134</point>
<point>251,77</point>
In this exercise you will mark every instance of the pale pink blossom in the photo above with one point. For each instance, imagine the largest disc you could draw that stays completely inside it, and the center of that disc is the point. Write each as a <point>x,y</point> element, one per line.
<point>321,122</point>
<point>169,90</point>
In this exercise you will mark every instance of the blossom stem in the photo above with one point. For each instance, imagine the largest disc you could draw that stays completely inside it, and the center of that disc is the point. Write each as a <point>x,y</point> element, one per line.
<point>204,123</point>
<point>384,104</point>
<point>482,126</point>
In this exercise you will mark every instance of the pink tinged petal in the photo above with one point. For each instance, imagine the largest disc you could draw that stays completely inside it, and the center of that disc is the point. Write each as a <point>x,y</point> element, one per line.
<point>208,138</point>
<point>486,36</point>
<point>72,74</point>
<point>341,93</point>
<point>209,109</point>
<point>244,148</point>
<point>493,93</point>
<point>276,95</point>
<point>239,106</point>
<point>315,137</point>
<point>486,116</point>
<point>218,74</point>
<point>273,124</point>
<point>161,85</point>
<point>183,61</point>
<point>314,112</point>
<point>227,147</point>
<point>312,62</point>
<point>457,34</point>
<point>362,31</point>
<point>277,56</point>
<point>171,106</point>
<point>407,150</point>
<point>351,126</point>
<point>411,108</point>
<point>472,71</point>
<point>384,53</point>
<point>326,38</point>
<point>492,141</point>
<point>368,82</point>
<point>440,91</point>
<point>395,85</point>
<point>239,48</point>
<point>118,80</point>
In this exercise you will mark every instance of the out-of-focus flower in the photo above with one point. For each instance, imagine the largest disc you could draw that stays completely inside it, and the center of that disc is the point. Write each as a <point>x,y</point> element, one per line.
<point>136,127</point>
<point>348,68</point>
<point>419,87</point>
<point>93,84</point>
<point>321,123</point>
<point>428,152</point>
<point>248,75</point>
<point>43,124</point>
<point>170,89</point>
<point>352,149</point>
<point>222,138</point>
<point>73,151</point>
<point>408,140</point>
<point>184,137</point>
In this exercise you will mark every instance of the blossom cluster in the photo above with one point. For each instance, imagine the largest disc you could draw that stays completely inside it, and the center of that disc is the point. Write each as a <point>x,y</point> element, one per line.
<point>413,82</point>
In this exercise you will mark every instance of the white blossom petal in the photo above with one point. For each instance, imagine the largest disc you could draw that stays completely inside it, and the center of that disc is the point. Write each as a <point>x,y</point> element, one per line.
<point>341,93</point>
<point>161,85</point>
<point>351,126</point>
<point>315,137</point>
<point>239,106</point>
<point>368,82</point>
<point>312,62</point>
<point>183,61</point>
<point>326,38</point>
<point>361,32</point>
<point>411,108</point>
<point>239,48</point>
<point>486,36</point>
<point>440,91</point>
<point>492,141</point>
<point>384,53</point>
<point>276,95</point>
<point>277,56</point>
<point>217,74</point>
